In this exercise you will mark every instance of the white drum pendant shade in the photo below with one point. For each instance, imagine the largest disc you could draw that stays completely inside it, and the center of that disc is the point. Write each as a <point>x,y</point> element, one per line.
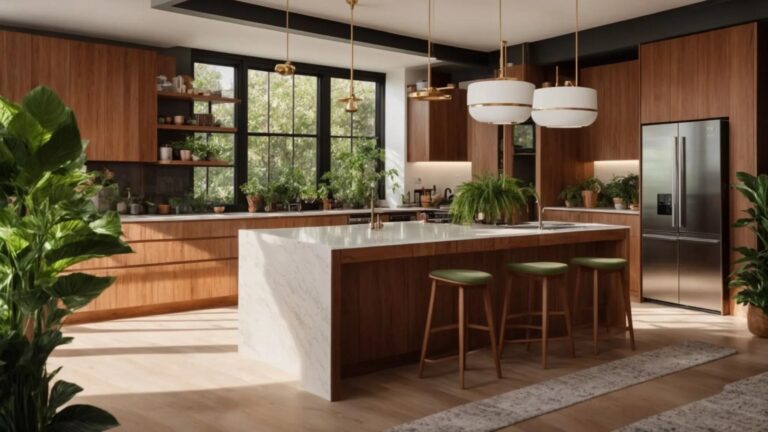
<point>564,107</point>
<point>500,101</point>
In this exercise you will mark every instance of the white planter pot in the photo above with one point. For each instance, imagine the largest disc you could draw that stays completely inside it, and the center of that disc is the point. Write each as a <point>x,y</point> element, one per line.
<point>186,155</point>
<point>166,153</point>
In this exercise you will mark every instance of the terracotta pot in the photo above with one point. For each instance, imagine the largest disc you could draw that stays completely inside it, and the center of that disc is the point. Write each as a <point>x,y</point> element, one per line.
<point>327,204</point>
<point>254,201</point>
<point>186,155</point>
<point>569,204</point>
<point>163,209</point>
<point>219,209</point>
<point>757,322</point>
<point>426,201</point>
<point>590,198</point>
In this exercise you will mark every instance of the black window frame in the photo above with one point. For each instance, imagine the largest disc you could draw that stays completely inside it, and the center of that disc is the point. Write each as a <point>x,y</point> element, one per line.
<point>243,64</point>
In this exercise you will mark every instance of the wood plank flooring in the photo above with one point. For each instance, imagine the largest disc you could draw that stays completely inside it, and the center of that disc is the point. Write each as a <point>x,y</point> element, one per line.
<point>182,372</point>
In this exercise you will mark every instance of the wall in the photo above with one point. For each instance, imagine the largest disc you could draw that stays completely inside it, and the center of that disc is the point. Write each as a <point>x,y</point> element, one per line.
<point>607,170</point>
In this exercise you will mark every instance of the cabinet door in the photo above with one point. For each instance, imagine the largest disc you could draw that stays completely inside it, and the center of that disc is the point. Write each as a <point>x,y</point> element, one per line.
<point>140,100</point>
<point>85,95</point>
<point>50,65</point>
<point>656,82</point>
<point>483,147</point>
<point>15,65</point>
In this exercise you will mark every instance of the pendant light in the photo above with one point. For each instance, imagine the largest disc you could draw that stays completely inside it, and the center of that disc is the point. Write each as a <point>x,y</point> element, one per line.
<point>430,94</point>
<point>287,68</point>
<point>500,100</point>
<point>350,102</point>
<point>568,106</point>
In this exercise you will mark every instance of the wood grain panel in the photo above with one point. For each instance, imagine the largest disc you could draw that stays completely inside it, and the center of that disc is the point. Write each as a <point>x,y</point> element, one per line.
<point>85,95</point>
<point>656,82</point>
<point>558,163</point>
<point>437,131</point>
<point>15,65</point>
<point>140,99</point>
<point>483,146</point>
<point>166,65</point>
<point>50,65</point>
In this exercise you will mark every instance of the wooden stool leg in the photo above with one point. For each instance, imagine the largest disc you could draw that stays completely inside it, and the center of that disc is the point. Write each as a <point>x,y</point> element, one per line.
<point>504,312</point>
<point>568,322</point>
<point>462,336</point>
<point>529,317</point>
<point>595,310</point>
<point>627,305</point>
<point>427,328</point>
<point>577,297</point>
<point>544,321</point>
<point>491,331</point>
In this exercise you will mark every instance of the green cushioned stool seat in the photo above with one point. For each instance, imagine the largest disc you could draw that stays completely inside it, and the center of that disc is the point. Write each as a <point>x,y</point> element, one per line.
<point>600,263</point>
<point>539,268</point>
<point>463,276</point>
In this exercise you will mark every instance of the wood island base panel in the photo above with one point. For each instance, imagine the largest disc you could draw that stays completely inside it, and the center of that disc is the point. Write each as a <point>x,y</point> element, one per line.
<point>331,302</point>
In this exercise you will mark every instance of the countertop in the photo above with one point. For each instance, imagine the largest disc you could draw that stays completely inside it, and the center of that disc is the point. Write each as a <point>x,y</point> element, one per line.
<point>264,215</point>
<point>594,210</point>
<point>405,233</point>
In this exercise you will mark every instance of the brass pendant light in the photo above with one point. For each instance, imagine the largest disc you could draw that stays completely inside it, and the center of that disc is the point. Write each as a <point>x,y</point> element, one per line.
<point>350,102</point>
<point>430,94</point>
<point>287,68</point>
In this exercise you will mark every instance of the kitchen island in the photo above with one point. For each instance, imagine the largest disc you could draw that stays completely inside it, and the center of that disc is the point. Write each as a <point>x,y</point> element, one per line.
<point>324,303</point>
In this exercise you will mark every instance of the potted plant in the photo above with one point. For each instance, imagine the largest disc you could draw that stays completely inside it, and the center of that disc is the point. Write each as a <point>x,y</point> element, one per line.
<point>108,191</point>
<point>254,193</point>
<point>571,196</point>
<point>166,152</point>
<point>324,193</point>
<point>590,191</point>
<point>151,207</point>
<point>48,224</point>
<point>615,191</point>
<point>489,199</point>
<point>752,273</point>
<point>632,190</point>
<point>354,172</point>
<point>178,204</point>
<point>309,197</point>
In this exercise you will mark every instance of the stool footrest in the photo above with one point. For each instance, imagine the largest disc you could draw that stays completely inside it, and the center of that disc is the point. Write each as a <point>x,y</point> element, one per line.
<point>528,314</point>
<point>456,326</point>
<point>533,339</point>
<point>446,357</point>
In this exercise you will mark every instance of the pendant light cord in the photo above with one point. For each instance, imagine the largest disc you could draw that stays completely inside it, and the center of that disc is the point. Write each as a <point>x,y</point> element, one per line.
<point>577,43</point>
<point>352,46</point>
<point>287,31</point>
<point>502,48</point>
<point>429,44</point>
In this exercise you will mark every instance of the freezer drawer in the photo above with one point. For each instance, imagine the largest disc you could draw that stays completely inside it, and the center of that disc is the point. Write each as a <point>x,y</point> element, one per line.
<point>700,272</point>
<point>660,271</point>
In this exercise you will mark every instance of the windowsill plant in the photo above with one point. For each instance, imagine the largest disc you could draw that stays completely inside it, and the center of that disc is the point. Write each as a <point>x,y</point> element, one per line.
<point>356,173</point>
<point>490,199</point>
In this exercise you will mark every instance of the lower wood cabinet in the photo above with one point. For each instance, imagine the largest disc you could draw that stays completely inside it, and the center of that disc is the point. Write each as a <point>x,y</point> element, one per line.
<point>177,266</point>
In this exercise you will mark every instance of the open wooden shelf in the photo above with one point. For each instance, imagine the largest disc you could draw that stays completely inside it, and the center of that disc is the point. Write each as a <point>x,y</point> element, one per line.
<point>190,128</point>
<point>201,163</point>
<point>196,98</point>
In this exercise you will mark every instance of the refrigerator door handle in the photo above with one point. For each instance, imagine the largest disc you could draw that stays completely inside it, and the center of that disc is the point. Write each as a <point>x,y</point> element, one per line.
<point>675,182</point>
<point>681,185</point>
<point>661,237</point>
<point>699,240</point>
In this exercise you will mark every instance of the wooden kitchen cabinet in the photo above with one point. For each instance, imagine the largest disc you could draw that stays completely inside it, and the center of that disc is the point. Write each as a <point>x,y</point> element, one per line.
<point>437,131</point>
<point>615,135</point>
<point>110,88</point>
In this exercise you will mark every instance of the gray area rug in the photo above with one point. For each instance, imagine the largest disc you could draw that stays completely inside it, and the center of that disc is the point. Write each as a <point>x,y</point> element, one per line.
<point>741,407</point>
<point>522,404</point>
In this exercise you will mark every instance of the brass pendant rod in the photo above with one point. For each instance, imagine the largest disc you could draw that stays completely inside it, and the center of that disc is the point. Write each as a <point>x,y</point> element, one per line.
<point>287,31</point>
<point>577,43</point>
<point>352,46</point>
<point>429,44</point>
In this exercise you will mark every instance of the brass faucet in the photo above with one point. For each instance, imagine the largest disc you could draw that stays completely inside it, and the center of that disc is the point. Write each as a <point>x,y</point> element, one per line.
<point>540,210</point>
<point>375,223</point>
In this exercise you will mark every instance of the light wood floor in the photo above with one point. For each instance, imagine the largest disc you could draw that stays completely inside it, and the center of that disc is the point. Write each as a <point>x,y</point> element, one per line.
<point>182,372</point>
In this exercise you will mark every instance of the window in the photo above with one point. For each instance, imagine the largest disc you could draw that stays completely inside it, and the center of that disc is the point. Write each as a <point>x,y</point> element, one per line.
<point>217,183</point>
<point>349,129</point>
<point>282,124</point>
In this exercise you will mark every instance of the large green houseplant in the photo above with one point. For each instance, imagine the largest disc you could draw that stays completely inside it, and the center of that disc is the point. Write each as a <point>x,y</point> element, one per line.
<point>752,274</point>
<point>490,199</point>
<point>47,224</point>
<point>355,174</point>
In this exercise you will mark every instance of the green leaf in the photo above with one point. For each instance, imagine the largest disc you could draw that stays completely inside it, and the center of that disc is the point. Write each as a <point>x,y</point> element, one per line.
<point>78,289</point>
<point>82,418</point>
<point>45,106</point>
<point>30,301</point>
<point>97,246</point>
<point>61,393</point>
<point>8,110</point>
<point>108,224</point>
<point>26,128</point>
<point>63,147</point>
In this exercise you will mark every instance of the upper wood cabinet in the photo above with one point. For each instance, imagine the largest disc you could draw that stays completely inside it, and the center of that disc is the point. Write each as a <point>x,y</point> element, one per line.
<point>111,89</point>
<point>437,131</point>
<point>689,78</point>
<point>615,135</point>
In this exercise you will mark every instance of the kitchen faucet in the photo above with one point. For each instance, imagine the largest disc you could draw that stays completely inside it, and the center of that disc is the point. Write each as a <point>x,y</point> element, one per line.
<point>540,211</point>
<point>376,223</point>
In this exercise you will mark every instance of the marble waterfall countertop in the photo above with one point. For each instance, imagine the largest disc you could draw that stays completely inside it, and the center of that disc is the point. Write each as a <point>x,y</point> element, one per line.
<point>594,210</point>
<point>404,233</point>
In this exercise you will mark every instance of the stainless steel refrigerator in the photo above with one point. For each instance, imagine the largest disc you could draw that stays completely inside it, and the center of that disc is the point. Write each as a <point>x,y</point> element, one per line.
<point>684,213</point>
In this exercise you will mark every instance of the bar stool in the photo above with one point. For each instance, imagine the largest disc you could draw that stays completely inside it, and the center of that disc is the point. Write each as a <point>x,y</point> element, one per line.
<point>463,280</point>
<point>542,272</point>
<point>604,266</point>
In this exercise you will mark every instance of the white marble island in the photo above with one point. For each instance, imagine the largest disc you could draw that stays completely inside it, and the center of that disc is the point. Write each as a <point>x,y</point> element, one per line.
<point>328,302</point>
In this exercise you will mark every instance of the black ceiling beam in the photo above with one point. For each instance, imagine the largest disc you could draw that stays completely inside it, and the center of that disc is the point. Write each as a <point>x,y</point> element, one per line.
<point>263,16</point>
<point>621,39</point>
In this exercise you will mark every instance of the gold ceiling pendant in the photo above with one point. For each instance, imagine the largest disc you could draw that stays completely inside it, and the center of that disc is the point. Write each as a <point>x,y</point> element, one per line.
<point>431,94</point>
<point>287,68</point>
<point>350,102</point>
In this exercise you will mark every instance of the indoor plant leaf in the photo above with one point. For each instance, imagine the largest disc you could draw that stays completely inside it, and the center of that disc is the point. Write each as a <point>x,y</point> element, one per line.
<point>82,418</point>
<point>45,106</point>
<point>78,289</point>
<point>61,393</point>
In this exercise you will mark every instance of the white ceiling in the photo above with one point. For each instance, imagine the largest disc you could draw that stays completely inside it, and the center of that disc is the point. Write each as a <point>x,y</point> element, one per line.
<point>465,23</point>
<point>474,23</point>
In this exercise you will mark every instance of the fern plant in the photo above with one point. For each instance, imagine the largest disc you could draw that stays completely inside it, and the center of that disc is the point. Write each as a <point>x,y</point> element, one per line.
<point>752,274</point>
<point>495,198</point>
